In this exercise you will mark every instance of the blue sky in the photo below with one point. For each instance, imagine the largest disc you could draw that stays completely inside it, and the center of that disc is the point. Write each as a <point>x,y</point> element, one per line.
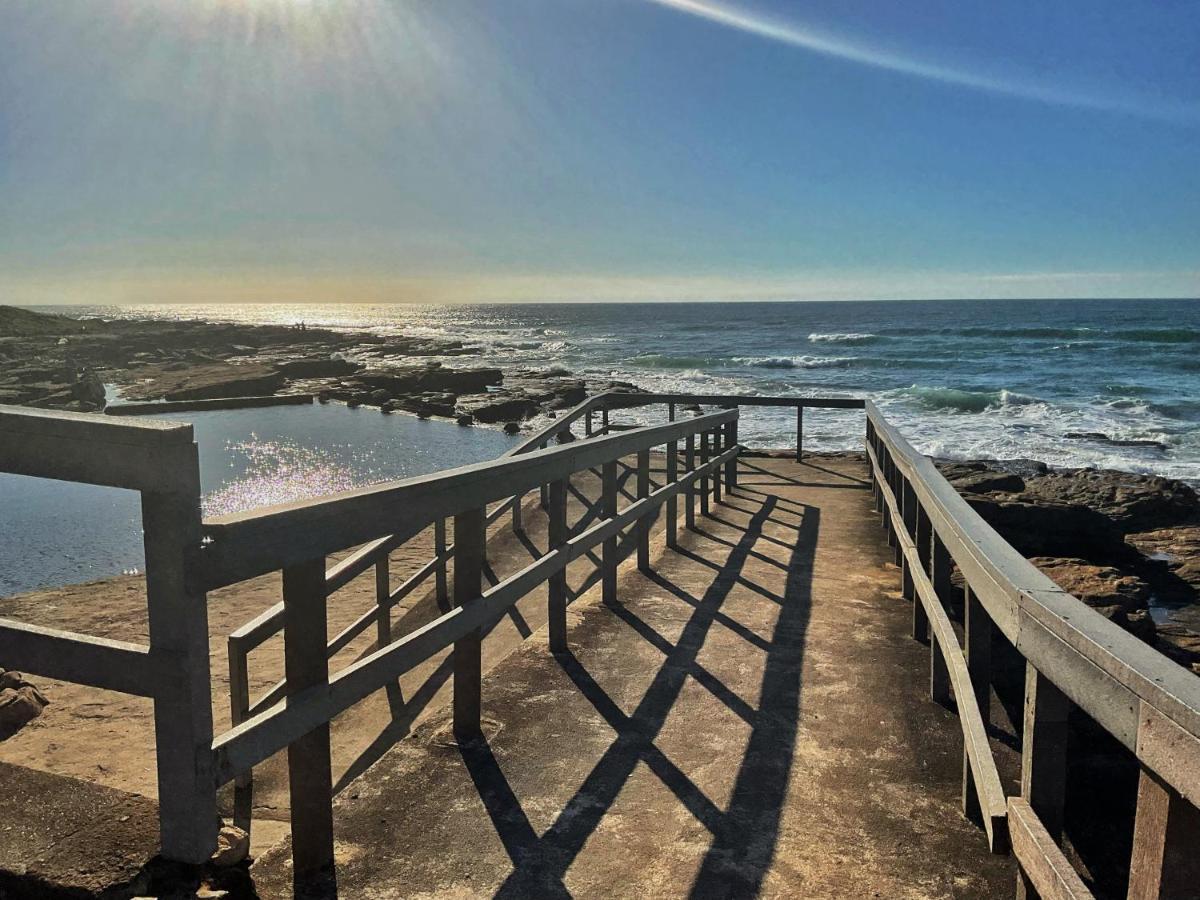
<point>204,150</point>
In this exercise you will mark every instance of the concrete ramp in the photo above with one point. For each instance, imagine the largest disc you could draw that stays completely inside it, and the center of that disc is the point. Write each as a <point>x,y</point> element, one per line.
<point>751,719</point>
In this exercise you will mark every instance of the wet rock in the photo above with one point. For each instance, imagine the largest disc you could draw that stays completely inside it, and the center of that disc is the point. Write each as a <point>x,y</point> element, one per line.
<point>1177,550</point>
<point>980,478</point>
<point>512,428</point>
<point>89,389</point>
<point>503,408</point>
<point>465,419</point>
<point>379,397</point>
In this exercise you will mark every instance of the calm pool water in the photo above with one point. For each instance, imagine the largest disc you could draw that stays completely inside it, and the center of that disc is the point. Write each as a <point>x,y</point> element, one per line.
<point>55,533</point>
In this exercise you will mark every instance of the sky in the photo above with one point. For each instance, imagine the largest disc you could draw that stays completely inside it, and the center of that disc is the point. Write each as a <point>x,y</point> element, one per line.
<point>463,150</point>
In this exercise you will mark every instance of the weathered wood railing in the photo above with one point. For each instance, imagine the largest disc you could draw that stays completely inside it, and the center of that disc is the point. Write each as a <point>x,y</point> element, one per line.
<point>159,461</point>
<point>296,538</point>
<point>1074,656</point>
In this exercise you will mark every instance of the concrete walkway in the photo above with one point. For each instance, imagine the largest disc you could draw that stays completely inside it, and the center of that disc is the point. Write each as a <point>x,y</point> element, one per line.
<point>752,719</point>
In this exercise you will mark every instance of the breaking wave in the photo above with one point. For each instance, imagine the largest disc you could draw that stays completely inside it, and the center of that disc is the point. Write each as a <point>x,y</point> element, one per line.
<point>954,400</point>
<point>843,337</point>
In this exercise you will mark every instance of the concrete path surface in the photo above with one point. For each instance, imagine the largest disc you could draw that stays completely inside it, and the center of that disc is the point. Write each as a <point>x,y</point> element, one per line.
<point>750,719</point>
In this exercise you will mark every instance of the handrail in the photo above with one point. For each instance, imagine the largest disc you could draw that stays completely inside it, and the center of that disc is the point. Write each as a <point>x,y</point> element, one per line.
<point>1053,630</point>
<point>1074,657</point>
<point>246,544</point>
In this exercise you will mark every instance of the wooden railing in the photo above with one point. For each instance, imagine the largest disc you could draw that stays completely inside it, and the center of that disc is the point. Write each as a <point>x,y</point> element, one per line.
<point>159,461</point>
<point>1074,657</point>
<point>296,538</point>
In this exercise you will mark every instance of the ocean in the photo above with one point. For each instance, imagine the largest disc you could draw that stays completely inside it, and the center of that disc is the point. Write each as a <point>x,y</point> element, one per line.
<point>962,379</point>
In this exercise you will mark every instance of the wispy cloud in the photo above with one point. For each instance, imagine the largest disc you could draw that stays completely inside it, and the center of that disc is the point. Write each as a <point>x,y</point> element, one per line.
<point>798,35</point>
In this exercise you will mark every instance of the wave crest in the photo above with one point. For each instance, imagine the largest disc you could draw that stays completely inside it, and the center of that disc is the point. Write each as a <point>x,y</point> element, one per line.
<point>842,337</point>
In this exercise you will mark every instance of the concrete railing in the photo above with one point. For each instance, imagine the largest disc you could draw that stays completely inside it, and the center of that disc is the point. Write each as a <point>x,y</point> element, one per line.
<point>1074,657</point>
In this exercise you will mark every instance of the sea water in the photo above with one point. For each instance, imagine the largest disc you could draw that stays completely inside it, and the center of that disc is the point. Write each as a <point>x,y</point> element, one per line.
<point>962,379</point>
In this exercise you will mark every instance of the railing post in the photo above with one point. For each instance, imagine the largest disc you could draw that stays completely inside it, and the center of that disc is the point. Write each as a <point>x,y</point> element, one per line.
<point>977,648</point>
<point>306,665</point>
<point>604,420</point>
<point>717,474</point>
<point>1043,756</point>
<point>239,705</point>
<point>642,526</point>
<point>689,493</point>
<point>799,433</point>
<point>673,501</point>
<point>557,588</point>
<point>731,440</point>
<point>518,524</point>
<point>469,538</point>
<point>608,561</point>
<point>670,412</point>
<point>704,479</point>
<point>587,424</point>
<point>439,549</point>
<point>1166,839</point>
<point>940,562</point>
<point>178,624</point>
<point>383,599</point>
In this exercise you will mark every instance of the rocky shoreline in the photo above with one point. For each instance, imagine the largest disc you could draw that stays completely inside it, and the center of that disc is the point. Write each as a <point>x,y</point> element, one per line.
<point>1127,545</point>
<point>57,362</point>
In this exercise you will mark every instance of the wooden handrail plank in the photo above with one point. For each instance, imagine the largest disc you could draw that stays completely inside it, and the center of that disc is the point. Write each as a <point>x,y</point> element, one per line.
<point>988,787</point>
<point>1042,861</point>
<point>1103,669</point>
<point>80,658</point>
<point>247,544</point>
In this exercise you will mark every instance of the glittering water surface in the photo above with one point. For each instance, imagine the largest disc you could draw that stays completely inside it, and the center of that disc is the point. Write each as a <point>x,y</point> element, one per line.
<point>54,533</point>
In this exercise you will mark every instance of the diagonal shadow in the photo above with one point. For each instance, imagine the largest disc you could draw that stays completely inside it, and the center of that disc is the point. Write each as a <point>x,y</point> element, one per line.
<point>744,836</point>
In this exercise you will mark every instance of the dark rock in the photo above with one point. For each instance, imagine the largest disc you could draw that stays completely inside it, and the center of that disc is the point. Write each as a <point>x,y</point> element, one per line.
<point>208,382</point>
<point>1180,644</point>
<point>322,397</point>
<point>1042,528</point>
<point>512,428</point>
<point>1177,549</point>
<point>379,397</point>
<point>565,436</point>
<point>1100,437</point>
<point>318,367</point>
<point>1134,502</point>
<point>20,703</point>
<point>980,478</point>
<point>1097,586</point>
<point>503,408</point>
<point>89,389</point>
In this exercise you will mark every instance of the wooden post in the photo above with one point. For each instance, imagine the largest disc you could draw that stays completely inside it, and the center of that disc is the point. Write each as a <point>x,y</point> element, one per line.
<point>704,479</point>
<point>1044,749</point>
<point>178,624</point>
<point>799,433</point>
<point>383,600</point>
<point>608,499</point>
<point>1166,843</point>
<point>469,538</point>
<point>689,493</point>
<point>731,440</point>
<point>977,648</point>
<point>673,501</point>
<point>439,550</point>
<point>587,424</point>
<point>670,412</point>
<point>557,588</point>
<point>643,523</point>
<point>518,524</point>
<point>604,420</point>
<point>717,474</point>
<point>939,674</point>
<point>306,665</point>
<point>239,705</point>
